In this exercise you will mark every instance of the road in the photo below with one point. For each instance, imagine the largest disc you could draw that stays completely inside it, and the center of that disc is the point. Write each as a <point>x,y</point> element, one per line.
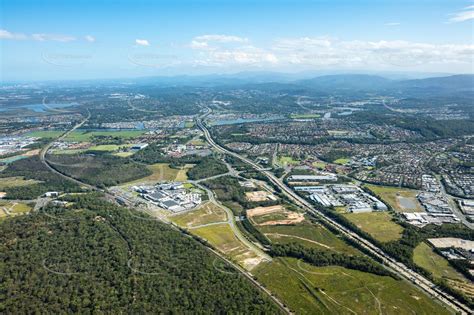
<point>46,148</point>
<point>112,197</point>
<point>389,262</point>
<point>233,225</point>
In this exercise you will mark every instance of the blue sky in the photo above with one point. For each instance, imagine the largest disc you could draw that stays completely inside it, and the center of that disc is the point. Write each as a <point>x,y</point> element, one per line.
<point>42,40</point>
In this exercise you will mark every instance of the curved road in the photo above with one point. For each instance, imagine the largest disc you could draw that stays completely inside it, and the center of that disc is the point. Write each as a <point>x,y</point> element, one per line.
<point>392,264</point>
<point>245,273</point>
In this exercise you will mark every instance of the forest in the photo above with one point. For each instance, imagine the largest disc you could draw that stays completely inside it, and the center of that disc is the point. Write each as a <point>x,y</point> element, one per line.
<point>32,168</point>
<point>318,257</point>
<point>95,257</point>
<point>207,167</point>
<point>98,169</point>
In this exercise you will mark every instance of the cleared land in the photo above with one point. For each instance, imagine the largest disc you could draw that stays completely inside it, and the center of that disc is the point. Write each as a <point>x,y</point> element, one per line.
<point>287,160</point>
<point>308,234</point>
<point>15,182</point>
<point>425,257</point>
<point>163,172</point>
<point>319,164</point>
<point>13,208</point>
<point>274,215</point>
<point>341,161</point>
<point>400,199</point>
<point>205,214</point>
<point>223,238</point>
<point>259,195</point>
<point>335,290</point>
<point>84,135</point>
<point>377,224</point>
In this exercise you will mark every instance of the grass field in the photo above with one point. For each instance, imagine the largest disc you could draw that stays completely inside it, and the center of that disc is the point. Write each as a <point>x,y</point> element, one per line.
<point>13,208</point>
<point>205,214</point>
<point>223,238</point>
<point>393,195</point>
<point>307,289</point>
<point>425,257</point>
<point>304,116</point>
<point>123,154</point>
<point>307,234</point>
<point>108,147</point>
<point>287,160</point>
<point>377,224</point>
<point>163,172</point>
<point>341,161</point>
<point>84,135</point>
<point>189,124</point>
<point>15,182</point>
<point>319,164</point>
<point>45,133</point>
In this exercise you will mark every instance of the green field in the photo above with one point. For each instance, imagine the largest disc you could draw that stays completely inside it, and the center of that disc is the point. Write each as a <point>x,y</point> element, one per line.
<point>341,161</point>
<point>425,257</point>
<point>163,172</point>
<point>189,124</point>
<point>15,182</point>
<point>304,116</point>
<point>377,224</point>
<point>109,147</point>
<point>287,160</point>
<point>223,238</point>
<point>307,234</point>
<point>84,135</point>
<point>307,289</point>
<point>45,133</point>
<point>393,195</point>
<point>319,164</point>
<point>123,154</point>
<point>205,214</point>
<point>14,208</point>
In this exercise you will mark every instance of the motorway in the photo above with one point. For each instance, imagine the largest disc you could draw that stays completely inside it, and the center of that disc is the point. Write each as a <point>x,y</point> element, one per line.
<point>47,147</point>
<point>389,262</point>
<point>112,197</point>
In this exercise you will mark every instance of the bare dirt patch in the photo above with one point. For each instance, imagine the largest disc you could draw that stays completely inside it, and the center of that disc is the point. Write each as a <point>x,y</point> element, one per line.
<point>259,195</point>
<point>274,215</point>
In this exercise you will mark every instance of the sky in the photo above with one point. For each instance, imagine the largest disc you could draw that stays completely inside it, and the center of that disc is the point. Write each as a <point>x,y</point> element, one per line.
<point>78,39</point>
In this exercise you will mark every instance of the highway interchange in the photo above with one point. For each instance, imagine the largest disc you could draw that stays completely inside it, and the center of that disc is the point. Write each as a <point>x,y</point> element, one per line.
<point>389,262</point>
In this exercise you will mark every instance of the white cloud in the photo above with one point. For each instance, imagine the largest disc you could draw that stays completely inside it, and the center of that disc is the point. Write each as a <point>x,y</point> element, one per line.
<point>465,15</point>
<point>89,38</point>
<point>392,24</point>
<point>239,57</point>
<point>53,37</point>
<point>326,52</point>
<point>4,34</point>
<point>206,42</point>
<point>142,42</point>
<point>220,38</point>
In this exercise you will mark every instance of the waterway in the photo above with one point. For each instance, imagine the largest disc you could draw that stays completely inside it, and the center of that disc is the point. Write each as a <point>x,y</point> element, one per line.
<point>38,108</point>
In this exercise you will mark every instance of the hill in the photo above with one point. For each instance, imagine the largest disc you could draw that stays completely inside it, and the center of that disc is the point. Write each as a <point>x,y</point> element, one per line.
<point>95,257</point>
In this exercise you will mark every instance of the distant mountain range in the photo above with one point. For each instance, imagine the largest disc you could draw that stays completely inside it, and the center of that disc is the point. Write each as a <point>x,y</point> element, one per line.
<point>343,83</point>
<point>359,82</point>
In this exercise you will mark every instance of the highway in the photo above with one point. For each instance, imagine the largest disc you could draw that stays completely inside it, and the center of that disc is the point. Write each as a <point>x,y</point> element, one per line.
<point>389,262</point>
<point>112,197</point>
<point>47,147</point>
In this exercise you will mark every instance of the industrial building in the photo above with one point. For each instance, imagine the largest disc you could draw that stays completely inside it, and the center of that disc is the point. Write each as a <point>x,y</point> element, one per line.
<point>171,196</point>
<point>313,178</point>
<point>355,199</point>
